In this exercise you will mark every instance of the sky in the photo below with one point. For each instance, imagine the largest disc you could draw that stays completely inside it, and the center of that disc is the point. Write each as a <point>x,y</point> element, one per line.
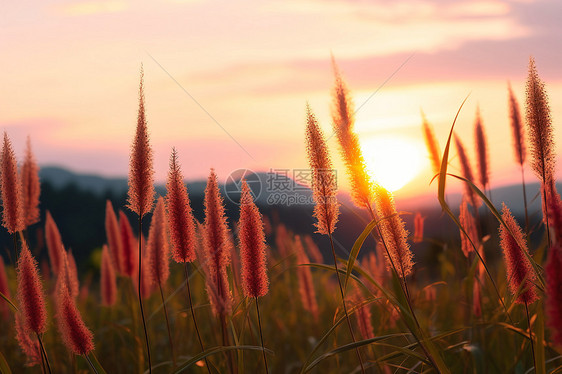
<point>227,83</point>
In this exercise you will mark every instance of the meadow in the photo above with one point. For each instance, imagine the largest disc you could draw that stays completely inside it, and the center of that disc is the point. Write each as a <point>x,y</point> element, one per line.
<point>251,295</point>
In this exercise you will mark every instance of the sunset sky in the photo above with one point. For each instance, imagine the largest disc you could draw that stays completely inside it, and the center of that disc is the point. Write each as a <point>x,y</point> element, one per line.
<point>227,82</point>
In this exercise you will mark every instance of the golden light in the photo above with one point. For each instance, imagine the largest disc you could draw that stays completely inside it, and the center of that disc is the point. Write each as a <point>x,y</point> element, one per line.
<point>393,161</point>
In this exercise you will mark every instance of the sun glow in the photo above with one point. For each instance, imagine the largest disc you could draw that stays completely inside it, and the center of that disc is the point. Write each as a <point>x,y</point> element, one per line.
<point>393,161</point>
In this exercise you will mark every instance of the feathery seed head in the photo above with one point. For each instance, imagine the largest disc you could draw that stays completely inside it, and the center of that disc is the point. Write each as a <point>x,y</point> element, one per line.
<point>252,246</point>
<point>157,246</point>
<point>393,232</point>
<point>114,240</point>
<point>180,216</point>
<point>539,126</point>
<point>481,151</point>
<point>31,187</point>
<point>141,172</point>
<point>324,181</point>
<point>54,243</point>
<point>30,295</point>
<point>12,204</point>
<point>467,173</point>
<point>130,245</point>
<point>343,121</point>
<point>432,145</point>
<point>517,128</point>
<point>217,250</point>
<point>520,273</point>
<point>108,284</point>
<point>468,222</point>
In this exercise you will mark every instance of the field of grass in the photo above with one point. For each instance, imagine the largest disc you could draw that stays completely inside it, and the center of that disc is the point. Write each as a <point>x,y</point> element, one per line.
<point>368,312</point>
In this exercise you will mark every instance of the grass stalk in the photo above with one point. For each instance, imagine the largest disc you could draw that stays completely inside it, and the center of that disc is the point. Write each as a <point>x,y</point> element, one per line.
<point>344,306</point>
<point>140,297</point>
<point>167,325</point>
<point>91,364</point>
<point>531,336</point>
<point>226,343</point>
<point>44,353</point>
<point>261,336</point>
<point>525,200</point>
<point>193,315</point>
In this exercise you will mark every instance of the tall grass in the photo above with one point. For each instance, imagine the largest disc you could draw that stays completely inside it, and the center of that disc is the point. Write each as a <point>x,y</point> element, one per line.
<point>459,310</point>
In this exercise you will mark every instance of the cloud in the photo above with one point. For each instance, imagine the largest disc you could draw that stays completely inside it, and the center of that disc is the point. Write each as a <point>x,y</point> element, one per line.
<point>87,8</point>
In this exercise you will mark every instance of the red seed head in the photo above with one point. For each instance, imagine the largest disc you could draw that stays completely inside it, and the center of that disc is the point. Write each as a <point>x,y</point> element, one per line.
<point>54,243</point>
<point>30,296</point>
<point>520,273</point>
<point>217,248</point>
<point>418,228</point>
<point>129,245</point>
<point>539,127</point>
<point>468,222</point>
<point>553,270</point>
<point>324,183</point>
<point>28,343</point>
<point>306,286</point>
<point>12,204</point>
<point>252,246</point>
<point>72,273</point>
<point>31,187</point>
<point>157,246</point>
<point>517,129</point>
<point>363,316</point>
<point>343,122</point>
<point>108,284</point>
<point>481,151</point>
<point>393,232</point>
<point>180,216</point>
<point>141,172</point>
<point>432,145</point>
<point>282,240</point>
<point>75,335</point>
<point>4,288</point>
<point>313,250</point>
<point>114,240</point>
<point>467,173</point>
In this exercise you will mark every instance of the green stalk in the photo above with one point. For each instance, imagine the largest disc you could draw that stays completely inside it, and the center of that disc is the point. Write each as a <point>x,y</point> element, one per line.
<point>140,297</point>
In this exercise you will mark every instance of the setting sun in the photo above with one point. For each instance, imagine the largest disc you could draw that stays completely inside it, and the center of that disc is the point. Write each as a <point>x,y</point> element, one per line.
<point>393,161</point>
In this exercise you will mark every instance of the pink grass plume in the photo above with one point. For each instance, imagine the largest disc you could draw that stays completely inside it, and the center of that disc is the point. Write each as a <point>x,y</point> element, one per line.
<point>517,128</point>
<point>432,145</point>
<point>393,233</point>
<point>129,245</point>
<point>252,246</point>
<point>481,151</point>
<point>54,242</point>
<point>418,228</point>
<point>180,216</point>
<point>157,247</point>
<point>343,123</point>
<point>12,204</point>
<point>27,342</point>
<point>107,281</point>
<point>4,289</point>
<point>114,241</point>
<point>306,285</point>
<point>467,173</point>
<point>72,271</point>
<point>141,173</point>
<point>30,295</point>
<point>313,250</point>
<point>75,335</point>
<point>520,273</point>
<point>468,222</point>
<point>216,245</point>
<point>539,126</point>
<point>324,181</point>
<point>31,187</point>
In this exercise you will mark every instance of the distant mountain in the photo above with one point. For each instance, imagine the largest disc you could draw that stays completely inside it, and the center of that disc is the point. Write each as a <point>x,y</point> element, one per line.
<point>279,189</point>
